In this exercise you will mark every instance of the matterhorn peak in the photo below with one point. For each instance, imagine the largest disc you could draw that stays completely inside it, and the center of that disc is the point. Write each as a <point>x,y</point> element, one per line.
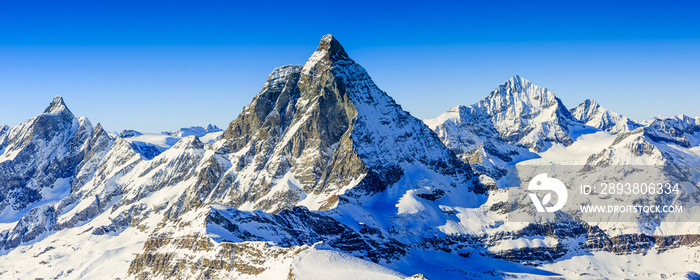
<point>328,53</point>
<point>57,105</point>
<point>332,47</point>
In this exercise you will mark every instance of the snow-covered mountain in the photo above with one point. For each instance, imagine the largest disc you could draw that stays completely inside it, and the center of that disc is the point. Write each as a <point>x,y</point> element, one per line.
<point>517,112</point>
<point>321,136</point>
<point>46,158</point>
<point>591,113</point>
<point>322,175</point>
<point>599,141</point>
<point>325,129</point>
<point>515,121</point>
<point>150,145</point>
<point>193,130</point>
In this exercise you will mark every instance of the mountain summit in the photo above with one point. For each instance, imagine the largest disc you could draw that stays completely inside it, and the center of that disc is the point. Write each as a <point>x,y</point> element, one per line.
<point>514,85</point>
<point>323,130</point>
<point>517,112</point>
<point>515,121</point>
<point>332,48</point>
<point>40,159</point>
<point>56,106</point>
<point>518,99</point>
<point>591,113</point>
<point>321,136</point>
<point>330,53</point>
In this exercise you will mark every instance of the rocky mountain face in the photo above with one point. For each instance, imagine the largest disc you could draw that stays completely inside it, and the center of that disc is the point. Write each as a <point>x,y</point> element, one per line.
<point>662,141</point>
<point>46,157</point>
<point>323,137</point>
<point>3,130</point>
<point>517,112</point>
<point>592,114</point>
<point>319,130</point>
<point>512,123</point>
<point>321,175</point>
<point>679,130</point>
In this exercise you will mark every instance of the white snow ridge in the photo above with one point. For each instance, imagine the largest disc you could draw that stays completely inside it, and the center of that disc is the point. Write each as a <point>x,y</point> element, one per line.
<point>324,176</point>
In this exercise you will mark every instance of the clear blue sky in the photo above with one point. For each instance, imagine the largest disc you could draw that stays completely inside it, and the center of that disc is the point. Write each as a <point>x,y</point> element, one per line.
<point>161,65</point>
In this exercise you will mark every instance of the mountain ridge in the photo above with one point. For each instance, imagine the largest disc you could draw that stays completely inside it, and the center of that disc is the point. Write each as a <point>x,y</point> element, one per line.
<point>591,113</point>
<point>322,166</point>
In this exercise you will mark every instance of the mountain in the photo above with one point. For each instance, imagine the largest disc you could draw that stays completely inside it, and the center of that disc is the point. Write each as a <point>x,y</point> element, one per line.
<point>613,149</point>
<point>149,145</point>
<point>515,121</point>
<point>591,113</point>
<point>325,129</point>
<point>680,130</point>
<point>321,136</point>
<point>517,112</point>
<point>323,175</point>
<point>44,158</point>
<point>662,141</point>
<point>129,133</point>
<point>3,130</point>
<point>193,130</point>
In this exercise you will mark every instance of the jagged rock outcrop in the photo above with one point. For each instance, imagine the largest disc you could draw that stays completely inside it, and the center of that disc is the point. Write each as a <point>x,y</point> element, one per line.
<point>677,130</point>
<point>299,226</point>
<point>591,113</point>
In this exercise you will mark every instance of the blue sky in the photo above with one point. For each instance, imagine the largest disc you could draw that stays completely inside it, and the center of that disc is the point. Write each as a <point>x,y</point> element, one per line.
<point>161,65</point>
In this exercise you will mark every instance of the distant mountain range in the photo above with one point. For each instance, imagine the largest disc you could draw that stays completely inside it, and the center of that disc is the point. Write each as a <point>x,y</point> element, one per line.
<point>324,176</point>
<point>149,145</point>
